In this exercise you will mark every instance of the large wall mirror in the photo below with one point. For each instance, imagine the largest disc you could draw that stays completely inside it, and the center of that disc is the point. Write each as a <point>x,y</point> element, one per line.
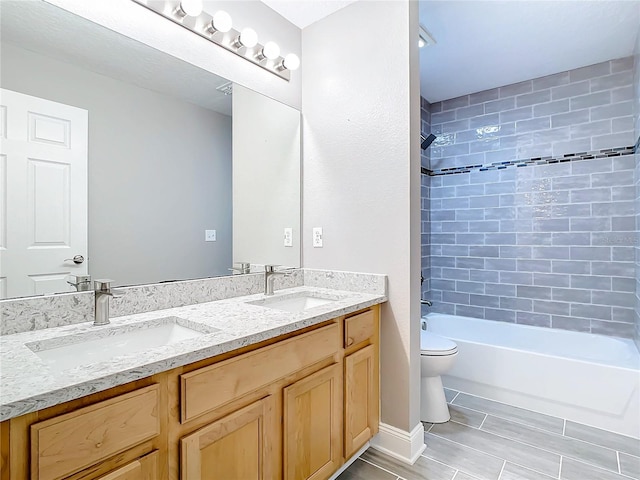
<point>120,161</point>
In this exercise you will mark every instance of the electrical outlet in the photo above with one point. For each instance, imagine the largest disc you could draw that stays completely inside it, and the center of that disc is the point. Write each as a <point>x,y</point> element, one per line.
<point>317,237</point>
<point>209,235</point>
<point>288,237</point>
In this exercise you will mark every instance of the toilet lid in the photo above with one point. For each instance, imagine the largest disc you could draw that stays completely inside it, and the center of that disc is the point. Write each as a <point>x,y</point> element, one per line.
<point>432,344</point>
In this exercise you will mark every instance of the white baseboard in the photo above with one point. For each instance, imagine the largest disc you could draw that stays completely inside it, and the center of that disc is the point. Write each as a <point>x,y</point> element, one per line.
<point>404,446</point>
<point>348,463</point>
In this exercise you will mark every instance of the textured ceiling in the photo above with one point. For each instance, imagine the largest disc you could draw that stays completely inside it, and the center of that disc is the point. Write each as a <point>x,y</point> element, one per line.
<point>46,29</point>
<point>486,44</point>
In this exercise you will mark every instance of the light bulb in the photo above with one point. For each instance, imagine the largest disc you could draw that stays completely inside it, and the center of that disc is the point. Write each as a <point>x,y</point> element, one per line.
<point>191,8</point>
<point>248,38</point>
<point>271,50</point>
<point>221,22</point>
<point>291,62</point>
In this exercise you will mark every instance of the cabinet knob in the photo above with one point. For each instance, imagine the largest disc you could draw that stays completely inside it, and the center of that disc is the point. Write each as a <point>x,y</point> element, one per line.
<point>349,341</point>
<point>98,445</point>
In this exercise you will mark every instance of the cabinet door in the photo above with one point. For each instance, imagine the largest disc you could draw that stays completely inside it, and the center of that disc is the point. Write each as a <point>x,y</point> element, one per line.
<point>145,468</point>
<point>238,446</point>
<point>361,408</point>
<point>312,425</point>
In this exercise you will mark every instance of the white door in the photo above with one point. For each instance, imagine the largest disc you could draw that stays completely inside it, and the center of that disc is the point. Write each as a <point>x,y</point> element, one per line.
<point>43,194</point>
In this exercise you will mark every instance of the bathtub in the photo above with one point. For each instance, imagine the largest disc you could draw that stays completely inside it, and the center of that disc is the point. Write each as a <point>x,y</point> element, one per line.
<point>590,379</point>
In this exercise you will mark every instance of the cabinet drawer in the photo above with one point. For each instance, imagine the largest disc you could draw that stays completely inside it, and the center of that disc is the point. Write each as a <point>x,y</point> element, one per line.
<point>359,327</point>
<point>205,389</point>
<point>144,468</point>
<point>69,443</point>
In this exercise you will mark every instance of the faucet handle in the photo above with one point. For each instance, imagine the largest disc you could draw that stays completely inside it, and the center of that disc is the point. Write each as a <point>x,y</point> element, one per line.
<point>102,285</point>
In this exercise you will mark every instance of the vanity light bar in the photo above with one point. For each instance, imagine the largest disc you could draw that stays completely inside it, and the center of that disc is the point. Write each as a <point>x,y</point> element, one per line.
<point>243,44</point>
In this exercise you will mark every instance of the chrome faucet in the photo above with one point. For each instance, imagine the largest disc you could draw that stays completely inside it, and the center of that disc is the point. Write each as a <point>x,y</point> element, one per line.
<point>270,273</point>
<point>245,267</point>
<point>425,302</point>
<point>103,293</point>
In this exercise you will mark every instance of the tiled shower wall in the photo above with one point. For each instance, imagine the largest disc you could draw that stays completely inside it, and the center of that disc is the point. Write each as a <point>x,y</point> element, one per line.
<point>636,82</point>
<point>548,245</point>
<point>425,110</point>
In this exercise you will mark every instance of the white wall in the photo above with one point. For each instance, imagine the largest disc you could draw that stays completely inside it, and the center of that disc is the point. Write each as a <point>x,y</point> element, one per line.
<point>361,175</point>
<point>159,172</point>
<point>135,21</point>
<point>266,179</point>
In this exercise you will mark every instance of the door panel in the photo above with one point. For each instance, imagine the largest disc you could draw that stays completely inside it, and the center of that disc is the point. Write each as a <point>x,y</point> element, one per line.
<point>361,399</point>
<point>43,197</point>
<point>312,425</point>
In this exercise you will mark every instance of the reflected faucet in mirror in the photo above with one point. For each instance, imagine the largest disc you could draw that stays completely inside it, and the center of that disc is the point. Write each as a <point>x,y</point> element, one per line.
<point>245,267</point>
<point>103,294</point>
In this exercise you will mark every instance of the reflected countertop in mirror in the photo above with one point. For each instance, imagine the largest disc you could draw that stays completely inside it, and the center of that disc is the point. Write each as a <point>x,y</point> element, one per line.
<point>162,170</point>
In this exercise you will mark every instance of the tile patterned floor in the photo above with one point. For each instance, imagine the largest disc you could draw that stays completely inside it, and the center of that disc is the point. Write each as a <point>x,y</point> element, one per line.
<point>487,440</point>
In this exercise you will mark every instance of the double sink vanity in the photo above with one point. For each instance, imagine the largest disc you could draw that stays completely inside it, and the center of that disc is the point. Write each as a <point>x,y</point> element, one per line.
<point>250,386</point>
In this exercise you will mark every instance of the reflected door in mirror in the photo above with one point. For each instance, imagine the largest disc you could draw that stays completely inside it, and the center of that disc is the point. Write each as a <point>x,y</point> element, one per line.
<point>43,192</point>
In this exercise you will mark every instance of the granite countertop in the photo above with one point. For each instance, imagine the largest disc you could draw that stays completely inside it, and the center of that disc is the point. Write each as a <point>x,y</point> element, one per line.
<point>28,383</point>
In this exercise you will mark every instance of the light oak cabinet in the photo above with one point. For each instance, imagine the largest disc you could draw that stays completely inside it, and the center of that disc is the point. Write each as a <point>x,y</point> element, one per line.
<point>238,446</point>
<point>294,407</point>
<point>312,425</point>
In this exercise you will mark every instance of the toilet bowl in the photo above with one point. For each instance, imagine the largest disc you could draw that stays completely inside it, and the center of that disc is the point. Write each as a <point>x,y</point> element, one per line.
<point>437,355</point>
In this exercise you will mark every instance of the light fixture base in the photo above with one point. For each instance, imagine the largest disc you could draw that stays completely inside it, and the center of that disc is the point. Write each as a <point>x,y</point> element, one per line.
<point>201,25</point>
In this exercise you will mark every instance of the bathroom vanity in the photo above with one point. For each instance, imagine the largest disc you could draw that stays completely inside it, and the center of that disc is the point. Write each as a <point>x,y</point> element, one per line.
<point>292,396</point>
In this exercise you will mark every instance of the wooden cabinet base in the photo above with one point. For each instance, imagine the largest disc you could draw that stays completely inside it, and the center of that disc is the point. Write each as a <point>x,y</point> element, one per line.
<point>289,408</point>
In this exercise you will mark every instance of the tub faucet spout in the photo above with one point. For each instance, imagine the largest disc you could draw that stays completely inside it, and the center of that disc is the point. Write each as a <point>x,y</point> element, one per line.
<point>425,302</point>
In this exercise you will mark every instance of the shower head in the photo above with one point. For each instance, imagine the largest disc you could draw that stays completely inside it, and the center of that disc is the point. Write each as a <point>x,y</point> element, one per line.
<point>427,141</point>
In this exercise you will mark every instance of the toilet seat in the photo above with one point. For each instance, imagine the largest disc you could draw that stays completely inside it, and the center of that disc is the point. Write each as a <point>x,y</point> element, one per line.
<point>433,345</point>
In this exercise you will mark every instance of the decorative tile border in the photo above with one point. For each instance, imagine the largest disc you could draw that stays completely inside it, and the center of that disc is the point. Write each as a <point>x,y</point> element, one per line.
<point>569,157</point>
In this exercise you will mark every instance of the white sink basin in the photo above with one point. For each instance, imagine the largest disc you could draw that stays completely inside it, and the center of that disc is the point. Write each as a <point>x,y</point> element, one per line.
<point>110,342</point>
<point>294,302</point>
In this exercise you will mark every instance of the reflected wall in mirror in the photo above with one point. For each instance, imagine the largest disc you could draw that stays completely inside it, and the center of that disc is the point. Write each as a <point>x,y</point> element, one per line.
<point>159,160</point>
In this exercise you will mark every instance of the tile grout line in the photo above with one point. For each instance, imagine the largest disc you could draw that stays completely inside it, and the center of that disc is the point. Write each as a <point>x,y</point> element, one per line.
<point>487,454</point>
<point>455,396</point>
<point>560,471</point>
<point>504,464</point>
<point>618,459</point>
<point>378,466</point>
<point>586,462</point>
<point>486,415</point>
<point>564,427</point>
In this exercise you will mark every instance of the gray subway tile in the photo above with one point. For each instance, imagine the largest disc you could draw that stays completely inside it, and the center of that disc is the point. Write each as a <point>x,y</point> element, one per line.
<point>534,319</point>
<point>484,251</point>
<point>517,278</point>
<point>469,262</point>
<point>570,266</point>
<point>484,276</point>
<point>467,190</point>
<point>570,118</point>
<point>592,166</point>
<point>484,96</point>
<point>551,280</point>
<point>543,293</point>
<point>455,226</point>
<point>455,297</point>
<point>614,140</point>
<point>455,274</point>
<point>516,472</point>
<point>500,289</point>
<point>630,465</point>
<point>590,71</point>
<point>484,201</point>
<point>469,112</point>
<point>559,238</point>
<point>534,98</point>
<point>515,115</point>
<point>622,124</point>
<point>520,304</point>
<point>543,137</point>
<point>505,264</point>
<point>500,213</point>
<point>622,284</point>
<point>555,308</point>
<point>627,162</point>
<point>571,295</point>
<point>571,323</point>
<point>589,195</point>
<point>499,187</point>
<point>575,470</point>
<point>470,311</point>
<point>609,209</point>
<point>591,100</point>
<point>571,182</point>
<point>620,65</point>
<point>484,226</point>
<point>623,239</point>
<point>507,251</point>
<point>590,282</point>
<point>617,269</point>
<point>470,239</point>
<point>541,123</point>
<point>534,238</point>
<point>500,315</point>
<point>534,266</point>
<point>597,436</point>
<point>572,146</point>
<point>570,90</point>
<point>551,225</point>
<point>484,145</point>
<point>608,82</point>
<point>455,250</point>
<point>549,81</point>
<point>457,102</point>
<point>619,299</point>
<point>614,329</point>
<point>584,310</point>
<point>551,108</point>
<point>439,118</point>
<point>622,94</point>
<point>470,287</point>
<point>621,109</point>
<point>596,224</point>
<point>455,126</point>
<point>501,105</point>
<point>516,89</point>
<point>484,300</point>
<point>598,127</point>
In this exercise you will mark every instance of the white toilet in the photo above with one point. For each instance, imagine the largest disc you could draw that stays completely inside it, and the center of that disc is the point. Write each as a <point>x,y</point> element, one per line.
<point>437,355</point>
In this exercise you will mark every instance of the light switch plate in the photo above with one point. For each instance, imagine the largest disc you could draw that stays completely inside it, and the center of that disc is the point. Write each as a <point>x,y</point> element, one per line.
<point>288,237</point>
<point>317,237</point>
<point>209,235</point>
